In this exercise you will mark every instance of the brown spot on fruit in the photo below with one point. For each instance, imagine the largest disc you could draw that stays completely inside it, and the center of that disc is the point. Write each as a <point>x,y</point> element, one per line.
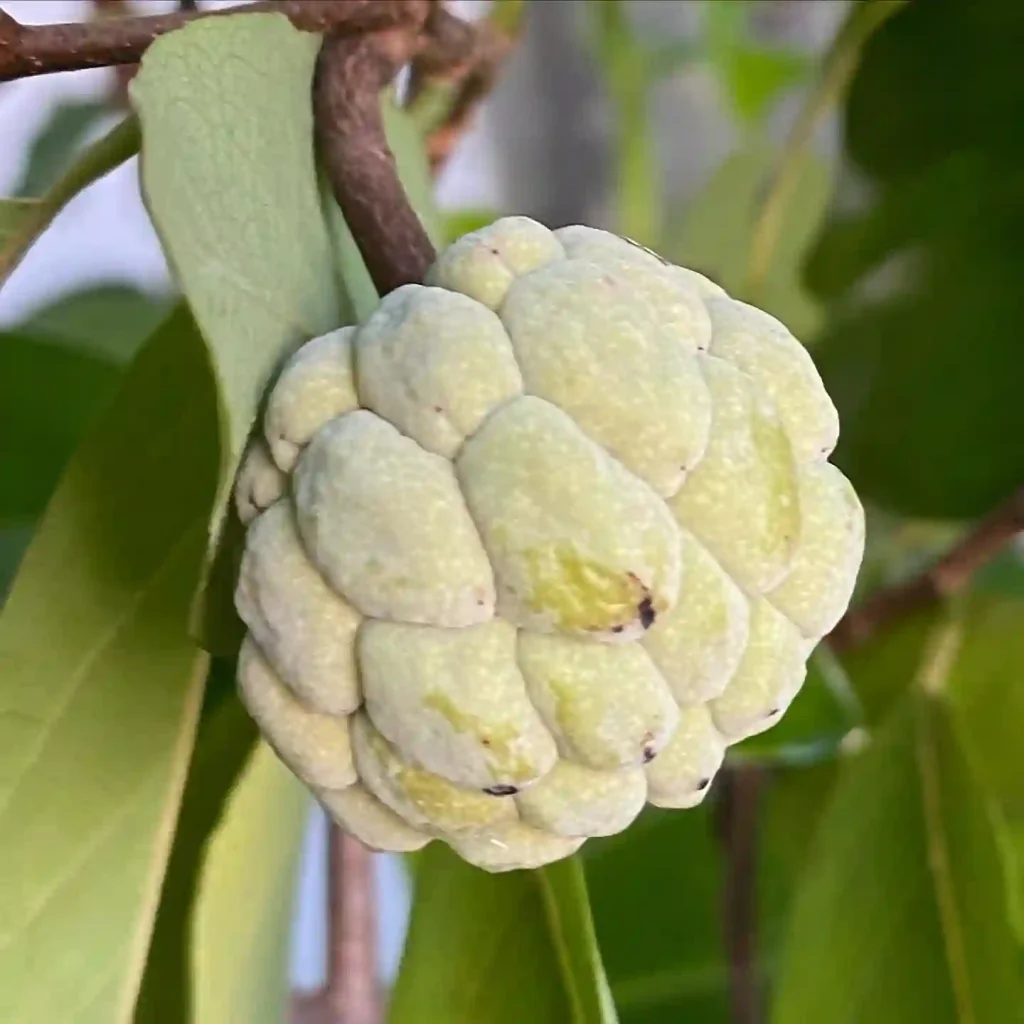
<point>501,790</point>
<point>647,613</point>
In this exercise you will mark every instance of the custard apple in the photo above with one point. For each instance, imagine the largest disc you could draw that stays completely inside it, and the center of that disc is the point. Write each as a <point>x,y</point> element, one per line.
<point>534,544</point>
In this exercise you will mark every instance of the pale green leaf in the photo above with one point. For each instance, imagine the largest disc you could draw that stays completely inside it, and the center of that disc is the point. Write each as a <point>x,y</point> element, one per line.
<point>245,898</point>
<point>714,233</point>
<point>57,144</point>
<point>20,226</point>
<point>901,916</point>
<point>230,182</point>
<point>499,949</point>
<point>100,691</point>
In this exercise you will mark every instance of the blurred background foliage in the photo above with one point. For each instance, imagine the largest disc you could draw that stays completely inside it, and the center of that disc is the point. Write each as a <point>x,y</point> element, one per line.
<point>865,859</point>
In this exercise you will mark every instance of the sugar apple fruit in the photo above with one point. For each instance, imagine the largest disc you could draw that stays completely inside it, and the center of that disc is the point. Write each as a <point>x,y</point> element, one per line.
<point>534,544</point>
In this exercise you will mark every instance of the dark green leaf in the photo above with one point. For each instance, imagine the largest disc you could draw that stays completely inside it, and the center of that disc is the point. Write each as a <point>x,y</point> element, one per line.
<point>56,145</point>
<point>656,892</point>
<point>901,913</point>
<point>101,689</point>
<point>923,355</point>
<point>48,395</point>
<point>987,700</point>
<point>499,949</point>
<point>107,320</point>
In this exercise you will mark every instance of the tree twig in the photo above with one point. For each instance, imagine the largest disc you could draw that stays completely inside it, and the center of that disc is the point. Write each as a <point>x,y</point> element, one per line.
<point>466,74</point>
<point>836,70</point>
<point>738,828</point>
<point>949,575</point>
<point>27,50</point>
<point>359,164</point>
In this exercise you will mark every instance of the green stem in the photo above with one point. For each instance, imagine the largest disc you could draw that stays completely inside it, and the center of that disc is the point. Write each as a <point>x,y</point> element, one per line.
<point>836,71</point>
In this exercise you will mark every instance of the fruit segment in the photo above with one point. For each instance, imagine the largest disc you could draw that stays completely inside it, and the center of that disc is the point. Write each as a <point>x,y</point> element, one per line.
<point>385,523</point>
<point>314,745</point>
<point>512,846</point>
<point>742,502</point>
<point>421,798</point>
<point>572,800</point>
<point>681,775</point>
<point>306,631</point>
<point>454,701</point>
<point>607,705</point>
<point>434,363</point>
<point>578,543</point>
<point>698,644</point>
<point>483,264</point>
<point>315,385</point>
<point>769,676</point>
<point>587,342</point>
<point>818,588</point>
<point>374,825</point>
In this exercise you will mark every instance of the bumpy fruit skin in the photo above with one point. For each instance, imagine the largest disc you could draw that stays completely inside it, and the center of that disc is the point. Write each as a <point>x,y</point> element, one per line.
<point>533,545</point>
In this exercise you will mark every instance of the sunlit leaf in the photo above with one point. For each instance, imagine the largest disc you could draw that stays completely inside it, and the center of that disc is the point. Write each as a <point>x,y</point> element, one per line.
<point>100,692</point>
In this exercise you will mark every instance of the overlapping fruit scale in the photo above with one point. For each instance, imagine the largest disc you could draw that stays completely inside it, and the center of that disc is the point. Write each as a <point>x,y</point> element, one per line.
<point>535,544</point>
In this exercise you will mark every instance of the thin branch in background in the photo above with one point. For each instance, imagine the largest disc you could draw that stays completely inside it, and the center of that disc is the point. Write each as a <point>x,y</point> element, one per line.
<point>353,976</point>
<point>738,812</point>
<point>948,576</point>
<point>27,50</point>
<point>836,71</point>
<point>463,75</point>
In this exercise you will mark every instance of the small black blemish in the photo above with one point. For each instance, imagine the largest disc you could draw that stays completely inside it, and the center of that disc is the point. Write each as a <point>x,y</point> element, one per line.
<point>618,629</point>
<point>647,614</point>
<point>438,409</point>
<point>495,252</point>
<point>501,790</point>
<point>772,713</point>
<point>649,752</point>
<point>703,784</point>
<point>486,741</point>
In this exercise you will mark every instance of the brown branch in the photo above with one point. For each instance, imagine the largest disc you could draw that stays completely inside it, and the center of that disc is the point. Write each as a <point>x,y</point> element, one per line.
<point>468,69</point>
<point>949,575</point>
<point>355,153</point>
<point>27,50</point>
<point>738,811</point>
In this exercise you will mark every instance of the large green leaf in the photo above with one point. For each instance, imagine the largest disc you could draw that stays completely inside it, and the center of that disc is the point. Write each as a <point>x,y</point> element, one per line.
<point>229,179</point>
<point>499,949</point>
<point>901,915</point>
<point>923,356</point>
<point>100,691</point>
<point>23,221</point>
<point>987,699</point>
